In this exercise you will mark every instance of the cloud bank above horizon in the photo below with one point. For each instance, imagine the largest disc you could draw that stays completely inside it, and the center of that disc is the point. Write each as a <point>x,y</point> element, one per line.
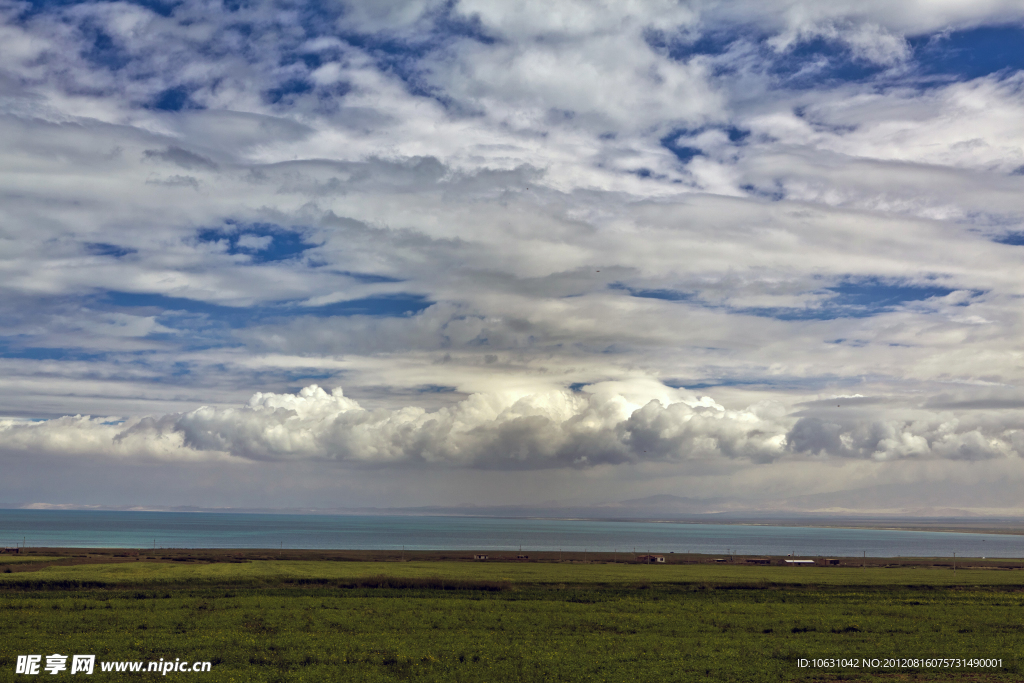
<point>733,248</point>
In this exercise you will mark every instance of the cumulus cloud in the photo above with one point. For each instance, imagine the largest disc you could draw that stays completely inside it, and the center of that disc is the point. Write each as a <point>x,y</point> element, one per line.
<point>940,437</point>
<point>564,429</point>
<point>598,426</point>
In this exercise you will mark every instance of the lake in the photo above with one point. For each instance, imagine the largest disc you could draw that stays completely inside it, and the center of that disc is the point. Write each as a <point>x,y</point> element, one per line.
<point>107,529</point>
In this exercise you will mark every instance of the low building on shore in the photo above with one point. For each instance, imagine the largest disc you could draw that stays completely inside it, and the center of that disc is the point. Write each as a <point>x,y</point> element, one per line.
<point>480,556</point>
<point>650,559</point>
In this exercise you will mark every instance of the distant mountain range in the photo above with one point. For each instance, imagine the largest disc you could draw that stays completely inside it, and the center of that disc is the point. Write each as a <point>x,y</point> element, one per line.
<point>814,510</point>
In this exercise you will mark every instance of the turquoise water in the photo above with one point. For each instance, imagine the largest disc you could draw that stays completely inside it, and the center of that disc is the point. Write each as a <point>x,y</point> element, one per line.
<point>90,529</point>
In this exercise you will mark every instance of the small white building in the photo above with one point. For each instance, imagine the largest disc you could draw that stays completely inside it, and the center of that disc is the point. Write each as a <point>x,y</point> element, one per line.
<point>651,559</point>
<point>480,556</point>
<point>800,563</point>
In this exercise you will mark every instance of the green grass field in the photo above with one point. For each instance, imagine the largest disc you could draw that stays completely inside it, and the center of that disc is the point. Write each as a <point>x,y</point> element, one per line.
<point>461,621</point>
<point>132,573</point>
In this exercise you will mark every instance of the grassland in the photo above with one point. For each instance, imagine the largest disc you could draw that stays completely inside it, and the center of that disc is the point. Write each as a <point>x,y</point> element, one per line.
<point>280,572</point>
<point>34,559</point>
<point>323,620</point>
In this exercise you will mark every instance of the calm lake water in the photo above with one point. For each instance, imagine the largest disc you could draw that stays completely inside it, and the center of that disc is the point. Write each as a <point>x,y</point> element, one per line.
<point>85,529</point>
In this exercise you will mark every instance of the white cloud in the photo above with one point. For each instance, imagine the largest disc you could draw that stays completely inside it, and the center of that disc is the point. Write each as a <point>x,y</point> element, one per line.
<point>941,437</point>
<point>556,429</point>
<point>918,16</point>
<point>502,431</point>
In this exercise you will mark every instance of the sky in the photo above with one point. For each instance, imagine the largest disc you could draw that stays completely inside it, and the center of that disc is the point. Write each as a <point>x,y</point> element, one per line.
<point>765,253</point>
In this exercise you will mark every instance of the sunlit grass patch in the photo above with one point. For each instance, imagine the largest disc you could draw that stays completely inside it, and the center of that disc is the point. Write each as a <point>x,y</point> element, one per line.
<point>695,575</point>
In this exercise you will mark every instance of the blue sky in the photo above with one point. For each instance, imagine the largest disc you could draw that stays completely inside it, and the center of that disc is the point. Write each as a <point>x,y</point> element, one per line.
<point>421,252</point>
